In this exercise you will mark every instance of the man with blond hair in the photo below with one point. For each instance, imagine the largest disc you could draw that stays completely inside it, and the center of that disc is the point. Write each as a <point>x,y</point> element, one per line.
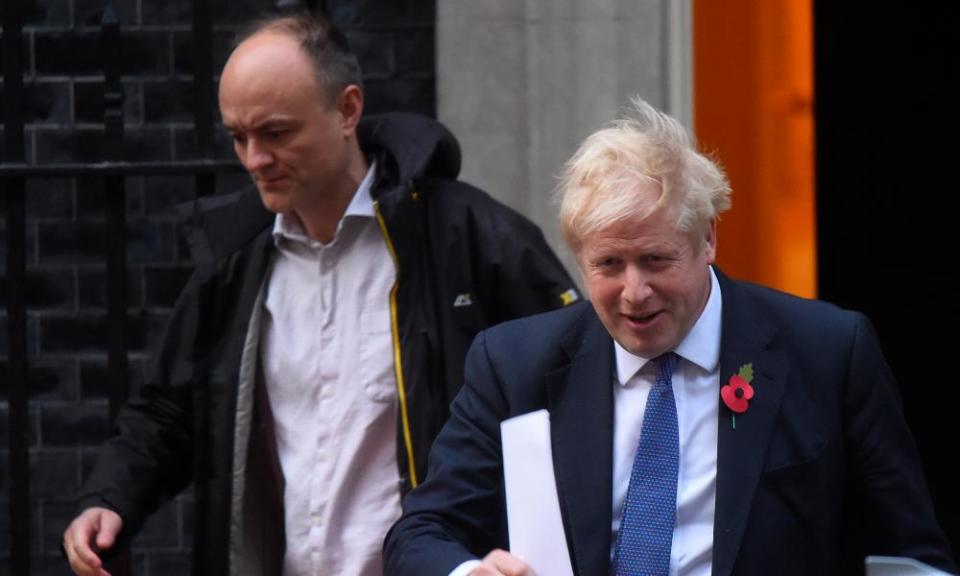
<point>310,360</point>
<point>699,425</point>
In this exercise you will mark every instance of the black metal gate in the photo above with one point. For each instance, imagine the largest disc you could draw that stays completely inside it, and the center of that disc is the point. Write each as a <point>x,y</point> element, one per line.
<point>114,171</point>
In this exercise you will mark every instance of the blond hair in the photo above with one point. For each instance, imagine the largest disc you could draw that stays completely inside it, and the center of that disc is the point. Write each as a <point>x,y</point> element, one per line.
<point>616,170</point>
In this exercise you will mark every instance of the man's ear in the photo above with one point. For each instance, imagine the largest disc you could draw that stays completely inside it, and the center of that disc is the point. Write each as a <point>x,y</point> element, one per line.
<point>710,241</point>
<point>350,106</point>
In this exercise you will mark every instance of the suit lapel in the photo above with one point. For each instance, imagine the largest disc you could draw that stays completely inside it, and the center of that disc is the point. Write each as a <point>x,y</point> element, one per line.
<point>741,451</point>
<point>580,400</point>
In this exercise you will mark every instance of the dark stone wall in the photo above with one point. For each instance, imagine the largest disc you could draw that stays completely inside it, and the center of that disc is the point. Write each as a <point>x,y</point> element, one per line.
<point>66,285</point>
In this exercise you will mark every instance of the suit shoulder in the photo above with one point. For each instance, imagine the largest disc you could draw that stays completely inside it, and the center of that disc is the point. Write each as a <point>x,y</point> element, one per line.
<point>539,333</point>
<point>566,318</point>
<point>802,316</point>
<point>522,352</point>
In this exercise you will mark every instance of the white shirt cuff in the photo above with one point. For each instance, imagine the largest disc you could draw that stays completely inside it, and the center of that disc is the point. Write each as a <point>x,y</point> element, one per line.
<point>465,568</point>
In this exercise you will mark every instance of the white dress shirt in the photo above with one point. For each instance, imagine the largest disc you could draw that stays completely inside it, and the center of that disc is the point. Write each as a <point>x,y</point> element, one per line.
<point>327,356</point>
<point>696,388</point>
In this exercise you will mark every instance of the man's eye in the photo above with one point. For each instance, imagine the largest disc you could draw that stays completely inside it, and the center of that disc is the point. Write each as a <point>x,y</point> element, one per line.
<point>656,261</point>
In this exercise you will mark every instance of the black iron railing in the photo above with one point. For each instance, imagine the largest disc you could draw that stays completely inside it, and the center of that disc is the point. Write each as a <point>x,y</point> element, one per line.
<point>15,205</point>
<point>15,172</point>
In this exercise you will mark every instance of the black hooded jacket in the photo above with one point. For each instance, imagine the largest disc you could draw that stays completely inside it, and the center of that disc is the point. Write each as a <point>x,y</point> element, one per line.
<point>464,262</point>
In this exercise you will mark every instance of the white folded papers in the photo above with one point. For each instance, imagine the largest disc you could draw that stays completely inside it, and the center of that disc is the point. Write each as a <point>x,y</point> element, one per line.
<point>533,508</point>
<point>898,566</point>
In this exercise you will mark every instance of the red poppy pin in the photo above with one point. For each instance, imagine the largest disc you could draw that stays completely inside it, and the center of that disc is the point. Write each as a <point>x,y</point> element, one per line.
<point>738,392</point>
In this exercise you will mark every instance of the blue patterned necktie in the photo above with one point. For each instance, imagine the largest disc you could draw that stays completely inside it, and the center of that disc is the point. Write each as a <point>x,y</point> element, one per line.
<point>646,525</point>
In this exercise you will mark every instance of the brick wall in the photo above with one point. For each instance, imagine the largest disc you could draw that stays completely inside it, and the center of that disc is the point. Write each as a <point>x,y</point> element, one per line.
<point>66,286</point>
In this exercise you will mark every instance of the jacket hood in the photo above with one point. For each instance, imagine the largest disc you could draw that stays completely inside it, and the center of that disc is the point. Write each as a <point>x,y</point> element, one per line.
<point>409,146</point>
<point>405,146</point>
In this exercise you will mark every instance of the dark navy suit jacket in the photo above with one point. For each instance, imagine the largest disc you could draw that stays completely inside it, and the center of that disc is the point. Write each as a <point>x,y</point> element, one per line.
<point>820,471</point>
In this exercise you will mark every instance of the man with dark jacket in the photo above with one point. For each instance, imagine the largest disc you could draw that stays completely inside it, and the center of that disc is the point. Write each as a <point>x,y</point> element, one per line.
<point>311,358</point>
<point>698,425</point>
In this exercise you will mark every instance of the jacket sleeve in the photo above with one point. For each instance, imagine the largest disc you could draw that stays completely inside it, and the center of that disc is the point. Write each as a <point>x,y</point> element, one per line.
<point>894,506</point>
<point>489,265</point>
<point>455,515</point>
<point>149,458</point>
<point>523,274</point>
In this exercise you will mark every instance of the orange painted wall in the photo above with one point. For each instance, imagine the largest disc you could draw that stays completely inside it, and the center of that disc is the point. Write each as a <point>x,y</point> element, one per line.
<point>753,110</point>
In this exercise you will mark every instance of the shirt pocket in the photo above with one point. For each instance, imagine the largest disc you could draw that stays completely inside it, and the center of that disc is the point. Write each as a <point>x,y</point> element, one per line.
<point>376,356</point>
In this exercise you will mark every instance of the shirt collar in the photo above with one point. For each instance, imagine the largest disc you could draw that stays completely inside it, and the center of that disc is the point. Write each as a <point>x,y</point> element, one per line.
<point>361,205</point>
<point>701,345</point>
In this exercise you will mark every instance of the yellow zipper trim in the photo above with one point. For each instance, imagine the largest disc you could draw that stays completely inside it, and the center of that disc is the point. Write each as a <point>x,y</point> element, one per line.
<point>397,364</point>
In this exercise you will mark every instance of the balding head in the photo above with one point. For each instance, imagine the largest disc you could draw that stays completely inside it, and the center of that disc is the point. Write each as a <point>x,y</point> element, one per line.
<point>265,66</point>
<point>334,66</point>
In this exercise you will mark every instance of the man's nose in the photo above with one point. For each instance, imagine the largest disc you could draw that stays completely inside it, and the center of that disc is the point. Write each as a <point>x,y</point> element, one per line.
<point>256,156</point>
<point>636,286</point>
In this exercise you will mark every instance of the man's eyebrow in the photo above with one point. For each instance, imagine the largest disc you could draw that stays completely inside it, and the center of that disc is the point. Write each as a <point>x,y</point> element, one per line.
<point>266,123</point>
<point>275,123</point>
